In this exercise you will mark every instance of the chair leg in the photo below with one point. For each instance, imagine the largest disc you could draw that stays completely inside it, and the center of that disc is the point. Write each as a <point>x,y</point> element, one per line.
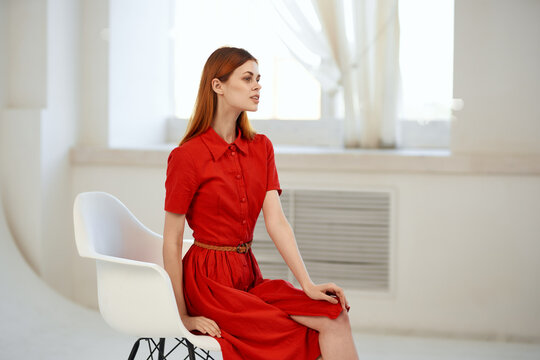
<point>134,350</point>
<point>160,347</point>
<point>191,350</point>
<point>161,355</point>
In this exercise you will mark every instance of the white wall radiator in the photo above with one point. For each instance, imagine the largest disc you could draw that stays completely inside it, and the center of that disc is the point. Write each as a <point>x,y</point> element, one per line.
<point>343,236</point>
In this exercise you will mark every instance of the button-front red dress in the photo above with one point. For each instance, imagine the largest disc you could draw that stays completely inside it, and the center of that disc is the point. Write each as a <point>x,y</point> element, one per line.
<point>221,187</point>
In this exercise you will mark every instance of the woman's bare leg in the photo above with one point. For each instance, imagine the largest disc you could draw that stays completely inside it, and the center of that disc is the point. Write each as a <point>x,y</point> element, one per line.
<point>335,335</point>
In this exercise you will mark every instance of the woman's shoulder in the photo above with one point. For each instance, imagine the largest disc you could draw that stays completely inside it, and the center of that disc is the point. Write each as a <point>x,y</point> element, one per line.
<point>188,149</point>
<point>261,139</point>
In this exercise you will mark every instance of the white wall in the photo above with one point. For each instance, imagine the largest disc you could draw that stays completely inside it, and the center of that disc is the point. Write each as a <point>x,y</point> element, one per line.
<point>24,96</point>
<point>38,128</point>
<point>125,60</point>
<point>496,73</point>
<point>57,87</point>
<point>140,72</point>
<point>58,134</point>
<point>27,51</point>
<point>94,90</point>
<point>21,180</point>
<point>3,51</point>
<point>466,243</point>
<point>466,256</point>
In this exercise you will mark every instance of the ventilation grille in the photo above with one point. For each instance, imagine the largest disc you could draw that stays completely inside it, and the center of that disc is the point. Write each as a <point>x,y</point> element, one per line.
<point>343,237</point>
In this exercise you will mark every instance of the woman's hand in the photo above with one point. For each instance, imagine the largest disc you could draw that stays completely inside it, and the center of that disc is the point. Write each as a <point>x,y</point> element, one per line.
<point>324,292</point>
<point>201,323</point>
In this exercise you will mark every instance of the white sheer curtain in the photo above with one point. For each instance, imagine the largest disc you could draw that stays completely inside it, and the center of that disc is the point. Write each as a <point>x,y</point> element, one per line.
<point>303,35</point>
<point>357,42</point>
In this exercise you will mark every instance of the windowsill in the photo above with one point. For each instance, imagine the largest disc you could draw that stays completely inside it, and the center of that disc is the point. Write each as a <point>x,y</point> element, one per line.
<point>301,158</point>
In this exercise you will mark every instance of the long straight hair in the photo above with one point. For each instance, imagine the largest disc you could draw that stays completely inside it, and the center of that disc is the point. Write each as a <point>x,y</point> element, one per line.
<point>220,64</point>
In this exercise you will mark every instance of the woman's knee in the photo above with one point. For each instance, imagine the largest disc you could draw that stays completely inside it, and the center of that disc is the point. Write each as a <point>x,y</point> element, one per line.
<point>339,323</point>
<point>343,317</point>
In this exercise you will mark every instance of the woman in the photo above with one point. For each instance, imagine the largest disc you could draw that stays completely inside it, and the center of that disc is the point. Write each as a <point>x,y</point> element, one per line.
<point>218,178</point>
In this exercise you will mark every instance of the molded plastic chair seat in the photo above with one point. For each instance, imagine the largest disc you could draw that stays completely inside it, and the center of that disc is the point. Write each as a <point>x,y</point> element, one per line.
<point>135,292</point>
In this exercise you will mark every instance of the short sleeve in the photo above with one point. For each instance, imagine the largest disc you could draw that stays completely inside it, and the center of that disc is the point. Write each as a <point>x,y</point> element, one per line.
<point>272,175</point>
<point>181,182</point>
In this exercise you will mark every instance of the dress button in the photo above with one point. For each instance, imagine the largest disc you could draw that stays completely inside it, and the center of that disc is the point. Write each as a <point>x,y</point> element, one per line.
<point>244,221</point>
<point>231,147</point>
<point>238,176</point>
<point>233,153</point>
<point>243,199</point>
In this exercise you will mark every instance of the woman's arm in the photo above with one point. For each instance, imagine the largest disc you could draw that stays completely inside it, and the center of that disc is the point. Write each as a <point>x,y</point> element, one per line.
<point>281,233</point>
<point>173,233</point>
<point>173,238</point>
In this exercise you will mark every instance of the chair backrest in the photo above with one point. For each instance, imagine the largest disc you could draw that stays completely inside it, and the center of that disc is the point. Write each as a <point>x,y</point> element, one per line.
<point>105,226</point>
<point>134,291</point>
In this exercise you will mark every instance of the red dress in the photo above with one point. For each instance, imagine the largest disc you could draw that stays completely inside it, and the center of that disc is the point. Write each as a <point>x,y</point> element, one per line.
<point>221,188</point>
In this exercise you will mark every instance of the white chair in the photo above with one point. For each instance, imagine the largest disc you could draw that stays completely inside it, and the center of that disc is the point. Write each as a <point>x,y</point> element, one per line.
<point>135,292</point>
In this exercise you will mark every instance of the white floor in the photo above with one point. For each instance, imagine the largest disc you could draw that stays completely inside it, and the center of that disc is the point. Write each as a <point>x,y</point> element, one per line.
<point>376,347</point>
<point>384,347</point>
<point>37,323</point>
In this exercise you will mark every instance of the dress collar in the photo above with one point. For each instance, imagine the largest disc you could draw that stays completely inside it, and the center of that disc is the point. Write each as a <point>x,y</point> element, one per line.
<point>217,145</point>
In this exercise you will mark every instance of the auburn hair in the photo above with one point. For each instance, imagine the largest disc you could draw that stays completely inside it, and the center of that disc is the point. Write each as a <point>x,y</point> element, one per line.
<point>220,64</point>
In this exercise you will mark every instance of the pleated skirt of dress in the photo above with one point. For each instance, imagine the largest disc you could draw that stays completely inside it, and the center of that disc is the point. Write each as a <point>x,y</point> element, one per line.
<point>253,313</point>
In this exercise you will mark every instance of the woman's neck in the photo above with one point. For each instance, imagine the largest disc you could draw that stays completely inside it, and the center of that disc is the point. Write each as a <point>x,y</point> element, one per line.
<point>224,123</point>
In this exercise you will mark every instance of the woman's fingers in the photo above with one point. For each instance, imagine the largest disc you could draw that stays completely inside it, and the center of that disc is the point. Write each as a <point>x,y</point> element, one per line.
<point>210,327</point>
<point>325,289</point>
<point>331,299</point>
<point>328,298</point>
<point>333,288</point>
<point>317,292</point>
<point>324,292</point>
<point>341,295</point>
<point>345,301</point>
<point>215,328</point>
<point>202,324</point>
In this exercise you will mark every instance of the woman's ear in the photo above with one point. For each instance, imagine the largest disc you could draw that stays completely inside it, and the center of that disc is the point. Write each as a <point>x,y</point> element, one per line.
<point>216,86</point>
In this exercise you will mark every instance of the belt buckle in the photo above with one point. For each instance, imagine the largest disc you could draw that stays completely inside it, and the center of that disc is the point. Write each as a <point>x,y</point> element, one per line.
<point>245,248</point>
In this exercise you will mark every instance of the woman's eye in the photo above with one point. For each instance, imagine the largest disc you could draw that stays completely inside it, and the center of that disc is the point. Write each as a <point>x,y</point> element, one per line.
<point>249,79</point>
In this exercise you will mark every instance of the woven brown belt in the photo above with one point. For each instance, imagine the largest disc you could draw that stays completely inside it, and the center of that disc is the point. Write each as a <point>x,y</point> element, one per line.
<point>241,248</point>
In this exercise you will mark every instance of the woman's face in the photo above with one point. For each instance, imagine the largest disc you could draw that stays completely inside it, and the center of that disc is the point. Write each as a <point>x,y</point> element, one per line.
<point>241,91</point>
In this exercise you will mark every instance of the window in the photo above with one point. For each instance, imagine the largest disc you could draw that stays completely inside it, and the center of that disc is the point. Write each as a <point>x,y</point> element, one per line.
<point>426,56</point>
<point>292,94</point>
<point>289,91</point>
<point>426,63</point>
